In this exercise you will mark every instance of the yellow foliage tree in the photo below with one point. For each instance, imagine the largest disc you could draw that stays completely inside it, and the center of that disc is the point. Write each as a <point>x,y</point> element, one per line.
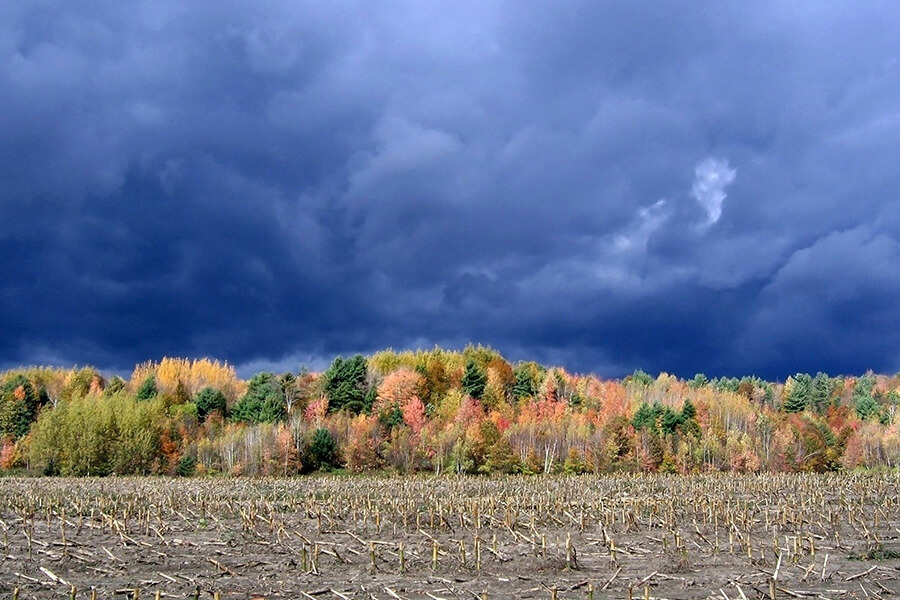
<point>194,375</point>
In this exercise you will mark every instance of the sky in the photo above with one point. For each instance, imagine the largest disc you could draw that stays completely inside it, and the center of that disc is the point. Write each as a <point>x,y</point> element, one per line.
<point>605,186</point>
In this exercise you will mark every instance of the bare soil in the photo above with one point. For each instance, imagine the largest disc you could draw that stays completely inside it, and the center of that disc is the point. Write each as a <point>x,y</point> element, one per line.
<point>803,536</point>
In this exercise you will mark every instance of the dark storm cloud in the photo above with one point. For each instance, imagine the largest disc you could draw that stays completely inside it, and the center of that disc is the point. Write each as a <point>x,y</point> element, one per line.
<point>597,185</point>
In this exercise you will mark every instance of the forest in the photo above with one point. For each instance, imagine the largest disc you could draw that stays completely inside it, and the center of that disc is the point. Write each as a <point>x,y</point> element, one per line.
<point>437,411</point>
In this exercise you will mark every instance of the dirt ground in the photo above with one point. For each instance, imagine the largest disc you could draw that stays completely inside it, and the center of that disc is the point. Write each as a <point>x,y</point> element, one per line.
<point>331,537</point>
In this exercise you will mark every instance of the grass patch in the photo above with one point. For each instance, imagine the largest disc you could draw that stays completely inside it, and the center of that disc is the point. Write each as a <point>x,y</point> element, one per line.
<point>878,552</point>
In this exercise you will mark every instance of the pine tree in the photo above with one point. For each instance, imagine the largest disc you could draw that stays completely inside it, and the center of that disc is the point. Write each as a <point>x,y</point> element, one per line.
<point>700,380</point>
<point>209,399</point>
<point>647,416</point>
<point>525,385</point>
<point>18,406</point>
<point>345,385</point>
<point>321,453</point>
<point>799,393</point>
<point>863,398</point>
<point>148,389</point>
<point>263,402</point>
<point>821,392</point>
<point>474,380</point>
<point>670,420</point>
<point>641,378</point>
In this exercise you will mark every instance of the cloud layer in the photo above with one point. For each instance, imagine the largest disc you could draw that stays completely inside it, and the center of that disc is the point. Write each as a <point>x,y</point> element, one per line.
<point>278,183</point>
<point>711,177</point>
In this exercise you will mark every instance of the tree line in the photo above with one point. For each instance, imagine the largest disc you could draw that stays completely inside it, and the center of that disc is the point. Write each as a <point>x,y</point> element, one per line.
<point>437,410</point>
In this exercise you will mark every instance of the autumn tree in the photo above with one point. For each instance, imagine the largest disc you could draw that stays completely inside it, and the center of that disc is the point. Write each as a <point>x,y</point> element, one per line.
<point>193,374</point>
<point>80,382</point>
<point>467,411</point>
<point>480,355</point>
<point>395,390</point>
<point>398,387</point>
<point>436,379</point>
<point>362,449</point>
<point>181,395</point>
<point>414,414</point>
<point>286,455</point>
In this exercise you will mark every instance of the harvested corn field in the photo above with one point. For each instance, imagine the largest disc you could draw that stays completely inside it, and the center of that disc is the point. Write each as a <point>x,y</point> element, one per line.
<point>736,537</point>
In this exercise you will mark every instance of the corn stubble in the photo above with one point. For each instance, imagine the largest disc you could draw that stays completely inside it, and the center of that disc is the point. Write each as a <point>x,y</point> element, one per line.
<point>628,536</point>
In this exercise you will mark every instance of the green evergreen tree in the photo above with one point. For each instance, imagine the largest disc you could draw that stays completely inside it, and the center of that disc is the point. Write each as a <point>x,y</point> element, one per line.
<point>15,418</point>
<point>321,451</point>
<point>209,399</point>
<point>821,392</point>
<point>525,385</point>
<point>669,420</point>
<point>799,394</point>
<point>658,418</point>
<point>641,378</point>
<point>19,403</point>
<point>689,425</point>
<point>392,417</point>
<point>769,396</point>
<point>864,397</point>
<point>700,380</point>
<point>369,401</point>
<point>688,411</point>
<point>345,385</point>
<point>186,466</point>
<point>263,402</point>
<point>474,380</point>
<point>148,389</point>
<point>727,384</point>
<point>644,417</point>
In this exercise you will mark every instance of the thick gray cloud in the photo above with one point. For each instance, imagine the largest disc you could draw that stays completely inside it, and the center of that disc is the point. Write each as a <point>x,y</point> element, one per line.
<point>598,185</point>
